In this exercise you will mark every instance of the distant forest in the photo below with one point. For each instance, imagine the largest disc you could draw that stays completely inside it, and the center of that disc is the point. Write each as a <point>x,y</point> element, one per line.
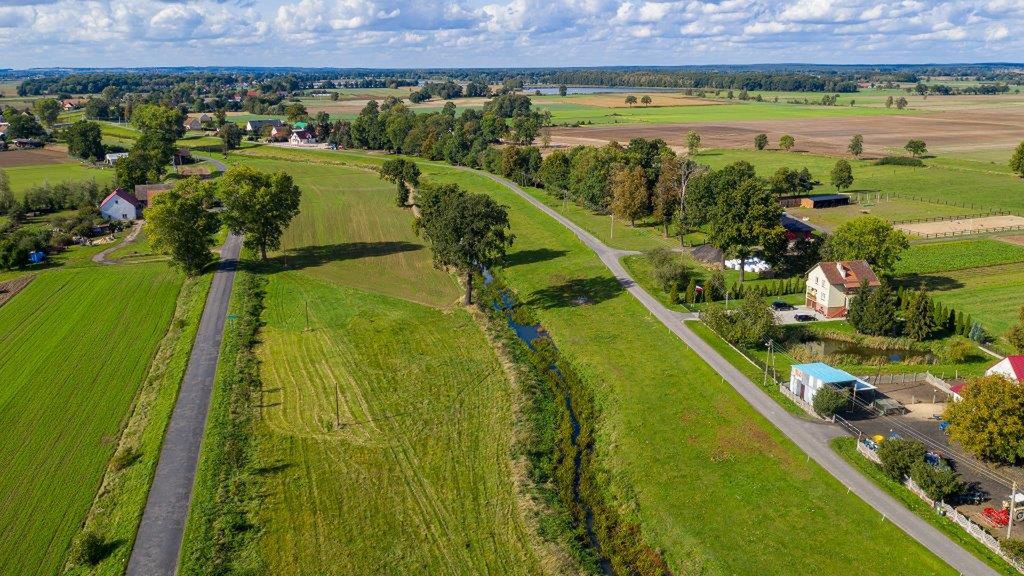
<point>795,77</point>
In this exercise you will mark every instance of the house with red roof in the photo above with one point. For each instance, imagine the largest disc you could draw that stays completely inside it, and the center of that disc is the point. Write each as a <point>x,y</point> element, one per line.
<point>121,205</point>
<point>831,286</point>
<point>1011,367</point>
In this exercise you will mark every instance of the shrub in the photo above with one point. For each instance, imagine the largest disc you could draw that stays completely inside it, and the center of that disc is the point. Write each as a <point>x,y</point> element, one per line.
<point>668,269</point>
<point>938,482</point>
<point>829,400</point>
<point>1014,548</point>
<point>955,350</point>
<point>89,550</point>
<point>899,161</point>
<point>898,456</point>
<point>126,458</point>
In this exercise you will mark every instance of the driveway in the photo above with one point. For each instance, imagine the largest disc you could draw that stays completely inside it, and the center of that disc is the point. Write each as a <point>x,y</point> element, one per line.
<point>812,437</point>
<point>158,542</point>
<point>789,316</point>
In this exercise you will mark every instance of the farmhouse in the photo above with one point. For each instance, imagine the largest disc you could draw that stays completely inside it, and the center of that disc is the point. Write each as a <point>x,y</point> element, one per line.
<point>120,205</point>
<point>824,201</point>
<point>145,193</point>
<point>109,159</point>
<point>197,122</point>
<point>302,137</point>
<point>257,125</point>
<point>280,133</point>
<point>72,103</point>
<point>806,379</point>
<point>1011,367</point>
<point>831,286</point>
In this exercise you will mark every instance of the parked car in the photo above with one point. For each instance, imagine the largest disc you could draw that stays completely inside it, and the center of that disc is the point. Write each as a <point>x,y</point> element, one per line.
<point>803,318</point>
<point>780,306</point>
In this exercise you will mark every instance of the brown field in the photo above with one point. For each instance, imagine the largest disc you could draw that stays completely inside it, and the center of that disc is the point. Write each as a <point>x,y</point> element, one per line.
<point>618,100</point>
<point>1015,239</point>
<point>13,158</point>
<point>964,225</point>
<point>967,129</point>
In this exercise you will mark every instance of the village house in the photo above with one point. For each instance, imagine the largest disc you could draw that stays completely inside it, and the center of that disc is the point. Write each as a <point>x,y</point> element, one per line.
<point>145,193</point>
<point>831,286</point>
<point>255,126</point>
<point>302,137</point>
<point>72,103</point>
<point>805,380</point>
<point>121,205</point>
<point>280,133</point>
<point>1011,367</point>
<point>197,122</point>
<point>109,159</point>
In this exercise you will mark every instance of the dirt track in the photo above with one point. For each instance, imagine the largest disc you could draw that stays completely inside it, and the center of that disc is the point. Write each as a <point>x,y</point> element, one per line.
<point>963,225</point>
<point>963,130</point>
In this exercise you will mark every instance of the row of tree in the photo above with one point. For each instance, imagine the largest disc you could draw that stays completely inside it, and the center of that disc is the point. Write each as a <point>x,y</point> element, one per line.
<point>883,311</point>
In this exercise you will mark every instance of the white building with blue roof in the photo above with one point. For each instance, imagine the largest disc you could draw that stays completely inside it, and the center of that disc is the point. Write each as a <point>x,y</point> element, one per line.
<point>806,379</point>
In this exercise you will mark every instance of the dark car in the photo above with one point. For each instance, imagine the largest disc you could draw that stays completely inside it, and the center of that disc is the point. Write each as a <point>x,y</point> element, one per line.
<point>779,306</point>
<point>803,318</point>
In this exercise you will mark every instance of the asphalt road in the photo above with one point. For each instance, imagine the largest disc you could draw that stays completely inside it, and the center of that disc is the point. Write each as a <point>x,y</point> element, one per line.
<point>812,437</point>
<point>158,542</point>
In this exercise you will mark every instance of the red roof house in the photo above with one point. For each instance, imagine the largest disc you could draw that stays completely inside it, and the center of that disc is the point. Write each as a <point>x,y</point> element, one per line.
<point>1011,367</point>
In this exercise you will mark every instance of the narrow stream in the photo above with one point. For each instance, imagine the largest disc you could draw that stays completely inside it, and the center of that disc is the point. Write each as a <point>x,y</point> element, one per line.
<point>529,334</point>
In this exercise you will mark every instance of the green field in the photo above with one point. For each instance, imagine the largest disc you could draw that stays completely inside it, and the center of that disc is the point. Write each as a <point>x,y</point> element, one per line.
<point>25,177</point>
<point>669,423</point>
<point>75,346</point>
<point>971,186</point>
<point>386,426</point>
<point>929,258</point>
<point>991,295</point>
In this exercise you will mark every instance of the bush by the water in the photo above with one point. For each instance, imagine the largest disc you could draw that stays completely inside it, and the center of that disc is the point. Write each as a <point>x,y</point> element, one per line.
<point>899,161</point>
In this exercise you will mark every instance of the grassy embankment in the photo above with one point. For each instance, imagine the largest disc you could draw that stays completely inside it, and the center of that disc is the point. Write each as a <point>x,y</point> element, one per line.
<point>382,434</point>
<point>76,345</point>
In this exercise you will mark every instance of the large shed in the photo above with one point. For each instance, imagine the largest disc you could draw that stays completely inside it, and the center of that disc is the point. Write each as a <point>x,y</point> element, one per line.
<point>806,379</point>
<point>824,201</point>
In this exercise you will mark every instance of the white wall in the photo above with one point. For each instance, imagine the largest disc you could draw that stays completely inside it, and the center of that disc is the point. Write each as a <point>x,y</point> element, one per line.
<point>118,209</point>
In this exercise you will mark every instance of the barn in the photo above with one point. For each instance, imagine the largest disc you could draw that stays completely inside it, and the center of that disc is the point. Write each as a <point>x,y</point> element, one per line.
<point>824,201</point>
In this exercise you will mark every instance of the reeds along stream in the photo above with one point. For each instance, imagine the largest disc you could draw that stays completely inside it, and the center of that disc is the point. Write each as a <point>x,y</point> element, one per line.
<point>613,546</point>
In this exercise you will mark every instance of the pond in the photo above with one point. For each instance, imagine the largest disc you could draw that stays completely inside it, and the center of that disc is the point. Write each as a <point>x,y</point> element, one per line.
<point>828,348</point>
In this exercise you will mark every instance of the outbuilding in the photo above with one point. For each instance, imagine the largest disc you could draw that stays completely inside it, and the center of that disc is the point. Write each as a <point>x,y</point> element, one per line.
<point>109,159</point>
<point>302,137</point>
<point>121,205</point>
<point>795,229</point>
<point>806,379</point>
<point>824,201</point>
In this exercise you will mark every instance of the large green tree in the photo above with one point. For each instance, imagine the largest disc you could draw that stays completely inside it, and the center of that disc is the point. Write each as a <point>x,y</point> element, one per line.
<point>989,420</point>
<point>842,175</point>
<point>259,205</point>
<point>179,223</point>
<point>629,194</point>
<point>466,231</point>
<point>149,158</point>
<point>404,174</point>
<point>46,110</point>
<point>761,141</point>
<point>667,190</point>
<point>7,200</point>
<point>230,135</point>
<point>1015,336</point>
<point>866,238</point>
<point>916,147</point>
<point>692,143</point>
<point>23,126</point>
<point>746,217</point>
<point>856,146</point>
<point>920,317</point>
<point>85,140</point>
<point>1017,160</point>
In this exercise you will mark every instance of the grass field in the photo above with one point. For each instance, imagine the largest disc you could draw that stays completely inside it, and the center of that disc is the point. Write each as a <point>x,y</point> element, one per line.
<point>928,258</point>
<point>991,295</point>
<point>74,348</point>
<point>975,185</point>
<point>670,424</point>
<point>386,428</point>
<point>25,177</point>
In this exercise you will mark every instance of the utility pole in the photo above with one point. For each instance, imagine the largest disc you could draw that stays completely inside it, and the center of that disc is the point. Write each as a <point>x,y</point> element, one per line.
<point>1013,509</point>
<point>611,234</point>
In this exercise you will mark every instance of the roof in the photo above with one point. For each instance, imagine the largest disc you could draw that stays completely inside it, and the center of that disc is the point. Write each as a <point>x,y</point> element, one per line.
<point>825,373</point>
<point>794,225</point>
<point>302,134</point>
<point>301,125</point>
<point>147,191</point>
<point>824,197</point>
<point>1015,365</point>
<point>848,273</point>
<point>122,194</point>
<point>957,388</point>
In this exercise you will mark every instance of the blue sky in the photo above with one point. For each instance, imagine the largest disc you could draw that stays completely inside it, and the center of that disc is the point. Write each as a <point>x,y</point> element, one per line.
<point>379,33</point>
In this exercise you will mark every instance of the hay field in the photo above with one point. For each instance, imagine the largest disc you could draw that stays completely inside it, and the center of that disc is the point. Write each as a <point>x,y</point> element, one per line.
<point>74,348</point>
<point>385,430</point>
<point>26,176</point>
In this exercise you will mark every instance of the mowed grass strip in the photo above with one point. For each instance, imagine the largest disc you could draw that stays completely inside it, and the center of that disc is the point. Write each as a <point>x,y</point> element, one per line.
<point>350,232</point>
<point>991,295</point>
<point>24,177</point>
<point>74,348</point>
<point>958,255</point>
<point>417,476</point>
<point>712,482</point>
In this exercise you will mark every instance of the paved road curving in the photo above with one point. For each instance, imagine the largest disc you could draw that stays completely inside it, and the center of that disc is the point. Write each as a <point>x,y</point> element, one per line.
<point>158,542</point>
<point>812,437</point>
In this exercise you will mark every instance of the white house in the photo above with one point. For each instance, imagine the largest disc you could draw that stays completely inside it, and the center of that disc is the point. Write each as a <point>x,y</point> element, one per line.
<point>806,379</point>
<point>302,137</point>
<point>1011,367</point>
<point>257,125</point>
<point>109,159</point>
<point>120,205</point>
<point>831,286</point>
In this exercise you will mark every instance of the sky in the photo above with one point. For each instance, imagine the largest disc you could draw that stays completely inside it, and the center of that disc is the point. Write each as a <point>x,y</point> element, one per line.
<point>504,33</point>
